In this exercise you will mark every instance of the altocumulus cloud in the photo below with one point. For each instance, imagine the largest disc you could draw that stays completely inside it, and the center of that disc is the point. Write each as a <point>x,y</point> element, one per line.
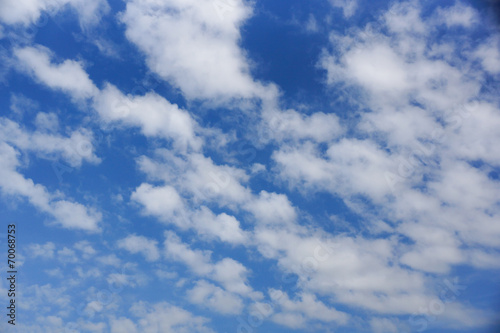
<point>191,183</point>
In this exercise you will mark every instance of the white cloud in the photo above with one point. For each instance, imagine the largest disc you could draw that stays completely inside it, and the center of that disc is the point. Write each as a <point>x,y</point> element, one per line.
<point>458,15</point>
<point>348,6</point>
<point>489,55</point>
<point>122,325</point>
<point>214,298</point>
<point>87,250</point>
<point>129,280</point>
<point>109,260</point>
<point>166,204</point>
<point>69,76</point>
<point>47,122</point>
<point>29,11</point>
<point>404,17</point>
<point>42,250</point>
<point>46,299</point>
<point>272,208</point>
<point>73,149</point>
<point>71,215</point>
<point>67,255</point>
<point>152,113</point>
<point>163,318</point>
<point>163,202</point>
<point>231,274</point>
<point>194,45</point>
<point>290,125</point>
<point>424,125</point>
<point>383,325</point>
<point>140,244</point>
<point>198,261</point>
<point>305,308</point>
<point>312,24</point>
<point>223,227</point>
<point>198,176</point>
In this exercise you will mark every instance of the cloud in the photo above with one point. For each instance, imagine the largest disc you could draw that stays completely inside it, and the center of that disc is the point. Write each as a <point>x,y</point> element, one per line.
<point>212,297</point>
<point>74,149</point>
<point>29,11</point>
<point>198,176</point>
<point>42,250</point>
<point>68,76</point>
<point>152,113</point>
<point>86,248</point>
<point>194,45</point>
<point>71,215</point>
<point>122,325</point>
<point>47,122</point>
<point>458,15</point>
<point>223,227</point>
<point>162,318</point>
<point>383,325</point>
<point>489,55</point>
<point>425,127</point>
<point>296,313</point>
<point>198,261</point>
<point>348,6</point>
<point>231,274</point>
<point>140,244</point>
<point>272,208</point>
<point>109,260</point>
<point>290,125</point>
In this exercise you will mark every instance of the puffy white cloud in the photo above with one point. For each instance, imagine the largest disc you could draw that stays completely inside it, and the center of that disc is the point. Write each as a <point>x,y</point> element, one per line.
<point>73,149</point>
<point>166,204</point>
<point>163,318</point>
<point>122,325</point>
<point>489,55</point>
<point>86,248</point>
<point>348,6</point>
<point>163,202</point>
<point>223,227</point>
<point>303,309</point>
<point>67,255</point>
<point>383,325</point>
<point>212,297</point>
<point>458,15</point>
<point>231,274</point>
<point>198,261</point>
<point>272,208</point>
<point>47,121</point>
<point>109,260</point>
<point>194,45</point>
<point>152,113</point>
<point>71,215</point>
<point>140,244</point>
<point>198,177</point>
<point>42,250</point>
<point>291,125</point>
<point>29,11</point>
<point>68,76</point>
<point>426,122</point>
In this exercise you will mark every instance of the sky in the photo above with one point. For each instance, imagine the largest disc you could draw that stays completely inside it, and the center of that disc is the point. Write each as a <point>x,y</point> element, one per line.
<point>250,166</point>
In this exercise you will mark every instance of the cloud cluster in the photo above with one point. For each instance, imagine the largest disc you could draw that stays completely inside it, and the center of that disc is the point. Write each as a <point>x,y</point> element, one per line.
<point>415,165</point>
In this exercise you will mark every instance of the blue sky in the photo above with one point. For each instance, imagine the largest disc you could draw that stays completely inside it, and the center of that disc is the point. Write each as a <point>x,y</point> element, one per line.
<point>237,166</point>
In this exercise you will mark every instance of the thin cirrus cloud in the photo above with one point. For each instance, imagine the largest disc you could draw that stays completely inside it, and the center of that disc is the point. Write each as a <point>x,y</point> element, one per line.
<point>359,216</point>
